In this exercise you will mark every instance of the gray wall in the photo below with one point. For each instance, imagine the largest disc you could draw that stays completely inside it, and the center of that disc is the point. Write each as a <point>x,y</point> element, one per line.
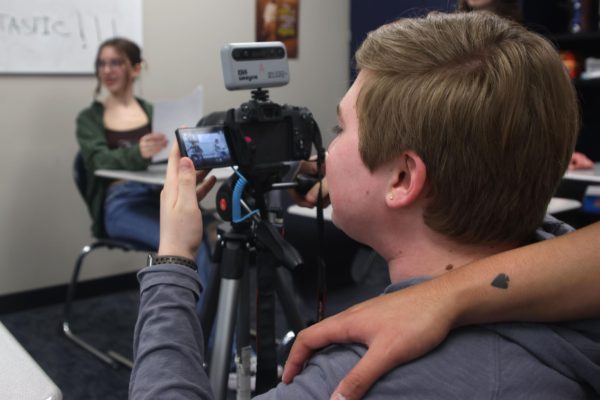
<point>43,221</point>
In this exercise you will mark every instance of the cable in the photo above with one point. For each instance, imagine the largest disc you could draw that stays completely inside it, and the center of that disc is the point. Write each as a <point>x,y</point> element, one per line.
<point>238,191</point>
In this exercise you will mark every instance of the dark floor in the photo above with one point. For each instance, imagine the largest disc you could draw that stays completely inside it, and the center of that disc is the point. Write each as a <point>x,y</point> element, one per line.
<point>108,321</point>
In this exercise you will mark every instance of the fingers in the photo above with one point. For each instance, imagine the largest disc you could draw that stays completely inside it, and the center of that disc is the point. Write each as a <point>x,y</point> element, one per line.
<point>153,139</point>
<point>313,194</point>
<point>171,179</point>
<point>187,183</point>
<point>300,200</point>
<point>309,200</point>
<point>205,187</point>
<point>193,186</point>
<point>299,354</point>
<point>310,340</point>
<point>201,174</point>
<point>580,161</point>
<point>158,135</point>
<point>308,168</point>
<point>587,163</point>
<point>375,363</point>
<point>152,143</point>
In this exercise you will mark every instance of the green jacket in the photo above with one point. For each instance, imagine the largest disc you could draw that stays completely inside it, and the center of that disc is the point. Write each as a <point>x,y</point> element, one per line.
<point>96,155</point>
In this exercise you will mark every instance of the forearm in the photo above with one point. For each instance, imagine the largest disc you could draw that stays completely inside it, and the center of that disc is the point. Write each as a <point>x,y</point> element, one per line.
<point>168,342</point>
<point>553,280</point>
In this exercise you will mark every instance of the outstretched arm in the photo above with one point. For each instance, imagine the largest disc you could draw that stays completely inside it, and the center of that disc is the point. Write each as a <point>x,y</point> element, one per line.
<point>553,280</point>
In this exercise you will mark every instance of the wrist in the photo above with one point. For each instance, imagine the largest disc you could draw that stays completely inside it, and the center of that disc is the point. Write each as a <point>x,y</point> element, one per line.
<point>456,298</point>
<point>175,251</point>
<point>465,296</point>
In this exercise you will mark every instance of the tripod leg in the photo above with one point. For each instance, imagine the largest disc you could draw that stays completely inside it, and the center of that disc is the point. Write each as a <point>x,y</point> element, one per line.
<point>233,261</point>
<point>219,361</point>
<point>244,348</point>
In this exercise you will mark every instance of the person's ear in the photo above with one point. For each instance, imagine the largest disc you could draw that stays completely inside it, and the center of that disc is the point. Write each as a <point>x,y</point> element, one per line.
<point>136,70</point>
<point>407,181</point>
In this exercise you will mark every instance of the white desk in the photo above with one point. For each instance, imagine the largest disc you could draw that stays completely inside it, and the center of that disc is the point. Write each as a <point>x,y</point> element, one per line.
<point>155,174</point>
<point>557,205</point>
<point>586,175</point>
<point>309,212</point>
<point>20,376</point>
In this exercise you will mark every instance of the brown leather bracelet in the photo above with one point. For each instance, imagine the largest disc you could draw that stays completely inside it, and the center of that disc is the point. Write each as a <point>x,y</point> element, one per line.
<point>173,260</point>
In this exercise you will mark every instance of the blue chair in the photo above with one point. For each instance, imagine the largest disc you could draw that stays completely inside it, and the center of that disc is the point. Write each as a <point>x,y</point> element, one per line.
<point>110,357</point>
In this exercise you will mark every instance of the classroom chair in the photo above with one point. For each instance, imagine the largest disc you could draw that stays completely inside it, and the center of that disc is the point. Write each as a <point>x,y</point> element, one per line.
<point>110,357</point>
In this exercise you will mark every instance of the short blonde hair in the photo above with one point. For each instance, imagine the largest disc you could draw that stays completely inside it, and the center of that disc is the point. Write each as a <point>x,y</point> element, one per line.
<point>486,104</point>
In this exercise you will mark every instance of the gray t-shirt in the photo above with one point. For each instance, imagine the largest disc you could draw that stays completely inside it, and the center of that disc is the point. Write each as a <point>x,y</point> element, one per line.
<point>495,361</point>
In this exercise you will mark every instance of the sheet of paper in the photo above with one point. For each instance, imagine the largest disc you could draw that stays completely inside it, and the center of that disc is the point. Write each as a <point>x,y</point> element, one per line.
<point>172,114</point>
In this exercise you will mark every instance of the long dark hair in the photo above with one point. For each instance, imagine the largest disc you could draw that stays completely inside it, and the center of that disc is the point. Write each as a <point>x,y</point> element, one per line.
<point>510,9</point>
<point>125,48</point>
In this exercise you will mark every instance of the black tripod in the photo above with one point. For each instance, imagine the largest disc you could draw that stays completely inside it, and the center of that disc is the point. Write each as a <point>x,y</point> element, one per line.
<point>239,245</point>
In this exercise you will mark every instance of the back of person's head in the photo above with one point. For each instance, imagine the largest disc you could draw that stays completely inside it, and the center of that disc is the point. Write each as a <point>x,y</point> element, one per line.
<point>126,48</point>
<point>486,104</point>
<point>510,9</point>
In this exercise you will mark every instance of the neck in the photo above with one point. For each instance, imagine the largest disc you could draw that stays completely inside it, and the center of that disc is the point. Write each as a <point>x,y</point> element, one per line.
<point>125,98</point>
<point>419,251</point>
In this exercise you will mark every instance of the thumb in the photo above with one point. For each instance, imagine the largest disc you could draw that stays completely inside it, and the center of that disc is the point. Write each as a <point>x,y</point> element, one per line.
<point>187,181</point>
<point>312,195</point>
<point>364,374</point>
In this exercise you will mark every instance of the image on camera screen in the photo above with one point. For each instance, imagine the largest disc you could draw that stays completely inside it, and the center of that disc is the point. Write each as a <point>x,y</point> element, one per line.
<point>207,149</point>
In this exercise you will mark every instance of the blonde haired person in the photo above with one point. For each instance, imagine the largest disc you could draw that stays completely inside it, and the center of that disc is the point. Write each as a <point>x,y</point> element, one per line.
<point>431,168</point>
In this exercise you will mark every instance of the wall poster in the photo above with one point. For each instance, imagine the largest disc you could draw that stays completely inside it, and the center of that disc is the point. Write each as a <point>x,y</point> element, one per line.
<point>278,20</point>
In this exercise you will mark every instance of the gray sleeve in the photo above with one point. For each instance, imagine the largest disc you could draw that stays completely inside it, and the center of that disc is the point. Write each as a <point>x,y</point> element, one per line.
<point>320,376</point>
<point>168,345</point>
<point>428,380</point>
<point>461,368</point>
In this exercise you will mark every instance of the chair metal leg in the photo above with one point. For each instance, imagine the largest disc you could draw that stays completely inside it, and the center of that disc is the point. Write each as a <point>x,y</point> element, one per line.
<point>111,358</point>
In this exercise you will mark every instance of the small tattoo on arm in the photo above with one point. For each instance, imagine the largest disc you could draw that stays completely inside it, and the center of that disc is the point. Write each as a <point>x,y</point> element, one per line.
<point>501,281</point>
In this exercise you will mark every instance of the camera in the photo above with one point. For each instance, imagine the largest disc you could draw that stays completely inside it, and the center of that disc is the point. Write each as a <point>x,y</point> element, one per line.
<point>260,136</point>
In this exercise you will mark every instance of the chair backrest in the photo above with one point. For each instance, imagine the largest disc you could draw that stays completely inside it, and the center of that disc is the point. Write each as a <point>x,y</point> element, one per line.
<point>80,174</point>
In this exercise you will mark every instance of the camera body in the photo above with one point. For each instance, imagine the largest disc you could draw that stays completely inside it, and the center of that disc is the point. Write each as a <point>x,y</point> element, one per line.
<point>256,136</point>
<point>265,134</point>
<point>261,136</point>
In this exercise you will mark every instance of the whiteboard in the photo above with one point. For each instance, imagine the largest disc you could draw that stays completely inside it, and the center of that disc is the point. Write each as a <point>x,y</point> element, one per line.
<point>62,36</point>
